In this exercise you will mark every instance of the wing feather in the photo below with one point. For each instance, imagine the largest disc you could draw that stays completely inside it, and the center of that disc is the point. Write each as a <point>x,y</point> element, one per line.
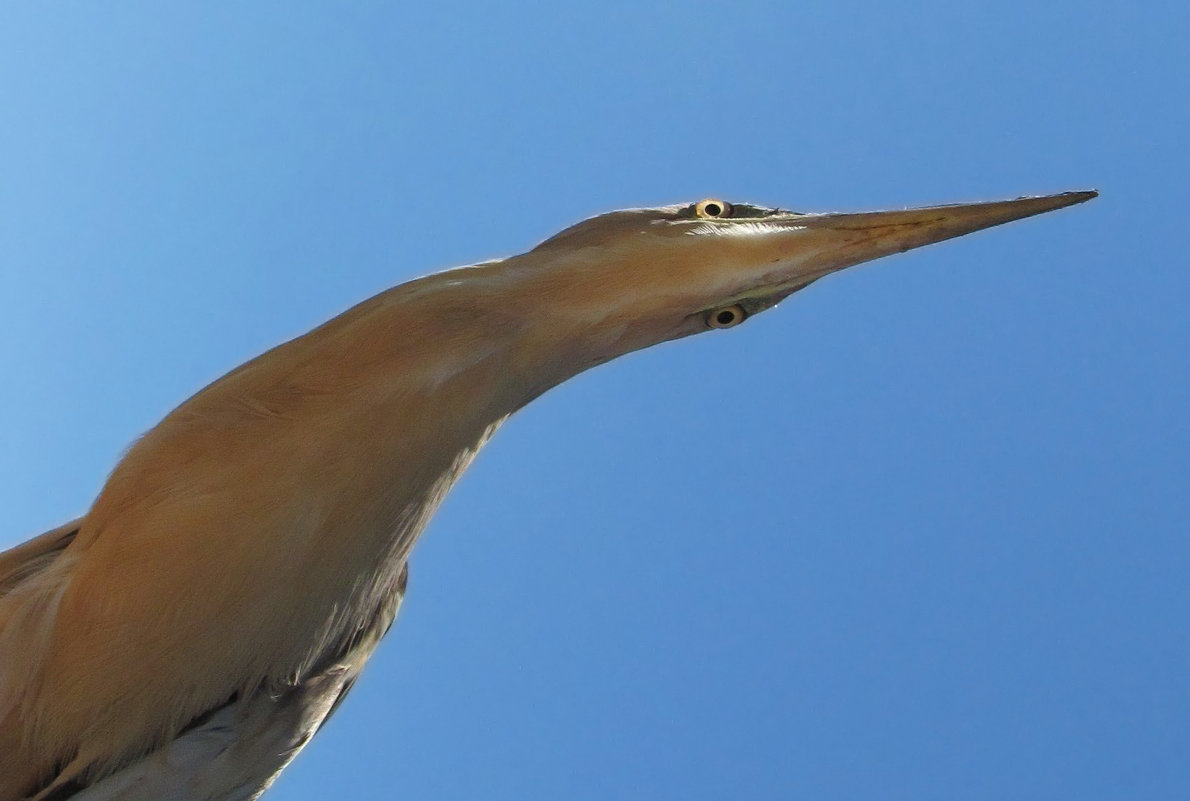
<point>234,751</point>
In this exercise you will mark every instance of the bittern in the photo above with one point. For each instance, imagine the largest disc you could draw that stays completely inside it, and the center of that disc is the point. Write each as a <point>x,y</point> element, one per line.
<point>187,636</point>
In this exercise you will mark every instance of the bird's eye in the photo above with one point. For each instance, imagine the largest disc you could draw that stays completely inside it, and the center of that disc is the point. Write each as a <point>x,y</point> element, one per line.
<point>711,209</point>
<point>726,317</point>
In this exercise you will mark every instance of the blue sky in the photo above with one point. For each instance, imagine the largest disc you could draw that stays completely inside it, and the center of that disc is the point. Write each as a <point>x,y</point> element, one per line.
<point>919,533</point>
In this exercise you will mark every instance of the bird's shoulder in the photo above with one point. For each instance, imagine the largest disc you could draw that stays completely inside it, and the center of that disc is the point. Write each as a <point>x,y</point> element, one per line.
<point>233,751</point>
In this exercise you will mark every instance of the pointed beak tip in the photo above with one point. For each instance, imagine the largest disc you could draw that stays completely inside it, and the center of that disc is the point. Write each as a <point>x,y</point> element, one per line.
<point>1030,205</point>
<point>1074,198</point>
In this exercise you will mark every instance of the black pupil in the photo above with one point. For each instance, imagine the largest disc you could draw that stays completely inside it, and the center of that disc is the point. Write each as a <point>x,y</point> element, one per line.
<point>725,317</point>
<point>713,209</point>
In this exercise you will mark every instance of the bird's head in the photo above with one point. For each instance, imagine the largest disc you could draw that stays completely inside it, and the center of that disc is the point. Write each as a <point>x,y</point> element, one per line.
<point>629,279</point>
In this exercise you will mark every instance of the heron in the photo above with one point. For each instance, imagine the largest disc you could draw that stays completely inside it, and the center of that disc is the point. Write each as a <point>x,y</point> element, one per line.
<point>189,634</point>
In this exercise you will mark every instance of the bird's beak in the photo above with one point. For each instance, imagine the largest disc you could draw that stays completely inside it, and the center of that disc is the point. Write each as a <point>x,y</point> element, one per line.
<point>809,246</point>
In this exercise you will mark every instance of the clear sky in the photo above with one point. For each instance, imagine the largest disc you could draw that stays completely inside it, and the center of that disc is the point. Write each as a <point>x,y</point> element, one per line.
<point>920,533</point>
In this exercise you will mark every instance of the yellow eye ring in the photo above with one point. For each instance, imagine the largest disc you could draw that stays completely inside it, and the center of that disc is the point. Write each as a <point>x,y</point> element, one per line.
<point>711,209</point>
<point>726,317</point>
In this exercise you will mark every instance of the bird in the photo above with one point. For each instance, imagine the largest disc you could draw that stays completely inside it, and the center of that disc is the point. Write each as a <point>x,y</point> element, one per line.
<point>189,634</point>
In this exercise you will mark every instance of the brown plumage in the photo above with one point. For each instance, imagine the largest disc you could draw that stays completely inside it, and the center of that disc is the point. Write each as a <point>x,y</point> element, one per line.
<point>191,632</point>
